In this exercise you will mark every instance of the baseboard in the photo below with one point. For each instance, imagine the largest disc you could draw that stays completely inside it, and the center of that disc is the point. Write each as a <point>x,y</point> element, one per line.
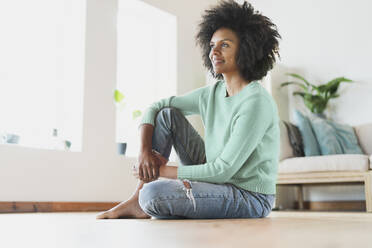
<point>334,205</point>
<point>27,207</point>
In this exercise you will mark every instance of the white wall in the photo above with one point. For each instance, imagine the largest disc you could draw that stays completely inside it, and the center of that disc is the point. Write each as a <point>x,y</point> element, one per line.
<point>323,40</point>
<point>97,173</point>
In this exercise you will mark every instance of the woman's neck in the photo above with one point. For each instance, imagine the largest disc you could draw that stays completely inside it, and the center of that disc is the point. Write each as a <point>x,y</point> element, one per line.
<point>234,83</point>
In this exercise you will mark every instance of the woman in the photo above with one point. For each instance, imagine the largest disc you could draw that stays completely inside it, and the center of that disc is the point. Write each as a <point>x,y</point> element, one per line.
<point>232,175</point>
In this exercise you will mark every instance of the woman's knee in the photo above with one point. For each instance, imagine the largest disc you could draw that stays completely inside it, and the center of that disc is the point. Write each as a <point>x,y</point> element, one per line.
<point>159,198</point>
<point>169,110</point>
<point>149,195</point>
<point>269,206</point>
<point>165,115</point>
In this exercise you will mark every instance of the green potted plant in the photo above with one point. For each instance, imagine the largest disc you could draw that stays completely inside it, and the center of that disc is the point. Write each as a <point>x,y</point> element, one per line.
<point>316,97</point>
<point>119,100</point>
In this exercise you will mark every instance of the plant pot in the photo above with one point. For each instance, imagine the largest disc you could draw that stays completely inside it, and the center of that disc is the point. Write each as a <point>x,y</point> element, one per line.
<point>122,147</point>
<point>10,138</point>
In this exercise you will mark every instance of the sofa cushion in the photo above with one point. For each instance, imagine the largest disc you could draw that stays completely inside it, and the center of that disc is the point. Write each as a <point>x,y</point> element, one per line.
<point>295,139</point>
<point>286,150</point>
<point>364,133</point>
<point>339,162</point>
<point>334,138</point>
<point>311,147</point>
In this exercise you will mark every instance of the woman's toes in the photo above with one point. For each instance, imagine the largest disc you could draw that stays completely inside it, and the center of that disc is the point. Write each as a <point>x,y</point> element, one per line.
<point>128,209</point>
<point>105,215</point>
<point>101,216</point>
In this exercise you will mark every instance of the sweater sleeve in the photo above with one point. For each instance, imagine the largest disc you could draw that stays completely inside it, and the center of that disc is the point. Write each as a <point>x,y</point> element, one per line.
<point>247,132</point>
<point>188,104</point>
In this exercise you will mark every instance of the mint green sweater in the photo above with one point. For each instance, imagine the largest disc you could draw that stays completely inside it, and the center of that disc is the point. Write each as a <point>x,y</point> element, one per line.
<point>241,135</point>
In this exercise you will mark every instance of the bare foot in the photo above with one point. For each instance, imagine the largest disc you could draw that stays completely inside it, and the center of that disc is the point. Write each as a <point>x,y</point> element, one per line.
<point>131,207</point>
<point>128,209</point>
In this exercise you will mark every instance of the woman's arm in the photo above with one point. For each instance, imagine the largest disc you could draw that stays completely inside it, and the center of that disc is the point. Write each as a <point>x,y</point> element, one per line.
<point>188,104</point>
<point>168,171</point>
<point>148,164</point>
<point>164,171</point>
<point>146,137</point>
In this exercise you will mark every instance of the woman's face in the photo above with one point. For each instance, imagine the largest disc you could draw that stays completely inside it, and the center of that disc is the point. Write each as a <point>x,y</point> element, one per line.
<point>224,48</point>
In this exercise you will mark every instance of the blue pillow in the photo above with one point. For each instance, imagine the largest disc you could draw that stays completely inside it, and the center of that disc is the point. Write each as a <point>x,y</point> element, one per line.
<point>309,140</point>
<point>335,138</point>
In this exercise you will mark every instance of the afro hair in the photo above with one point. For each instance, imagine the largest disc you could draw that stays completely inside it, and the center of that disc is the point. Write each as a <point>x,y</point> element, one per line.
<point>258,38</point>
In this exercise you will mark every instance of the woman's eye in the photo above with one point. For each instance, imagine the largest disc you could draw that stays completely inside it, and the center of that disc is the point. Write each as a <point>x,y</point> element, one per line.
<point>222,45</point>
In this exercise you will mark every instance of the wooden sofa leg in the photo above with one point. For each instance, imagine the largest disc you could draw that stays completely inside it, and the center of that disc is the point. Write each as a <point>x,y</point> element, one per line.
<point>368,190</point>
<point>300,197</point>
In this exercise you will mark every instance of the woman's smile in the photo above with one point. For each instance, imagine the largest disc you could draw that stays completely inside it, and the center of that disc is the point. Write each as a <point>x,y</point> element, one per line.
<point>218,61</point>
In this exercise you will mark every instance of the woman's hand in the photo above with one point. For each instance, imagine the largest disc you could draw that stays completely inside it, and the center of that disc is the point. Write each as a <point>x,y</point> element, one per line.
<point>148,165</point>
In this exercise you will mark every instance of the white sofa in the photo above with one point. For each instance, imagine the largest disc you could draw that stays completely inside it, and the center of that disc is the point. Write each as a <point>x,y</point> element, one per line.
<point>327,168</point>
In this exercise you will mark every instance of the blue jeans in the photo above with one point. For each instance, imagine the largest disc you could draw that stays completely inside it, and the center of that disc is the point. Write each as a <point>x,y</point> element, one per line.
<point>174,199</point>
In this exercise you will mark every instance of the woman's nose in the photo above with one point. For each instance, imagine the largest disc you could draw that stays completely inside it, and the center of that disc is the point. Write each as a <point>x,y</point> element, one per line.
<point>215,50</point>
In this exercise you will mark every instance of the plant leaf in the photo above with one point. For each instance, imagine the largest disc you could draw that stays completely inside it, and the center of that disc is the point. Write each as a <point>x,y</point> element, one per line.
<point>136,114</point>
<point>322,88</point>
<point>315,103</point>
<point>296,83</point>
<point>299,77</point>
<point>118,96</point>
<point>332,86</point>
<point>299,93</point>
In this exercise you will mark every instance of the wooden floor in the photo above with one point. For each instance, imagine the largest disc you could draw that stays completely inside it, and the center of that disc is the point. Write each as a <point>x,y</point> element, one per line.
<point>280,229</point>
